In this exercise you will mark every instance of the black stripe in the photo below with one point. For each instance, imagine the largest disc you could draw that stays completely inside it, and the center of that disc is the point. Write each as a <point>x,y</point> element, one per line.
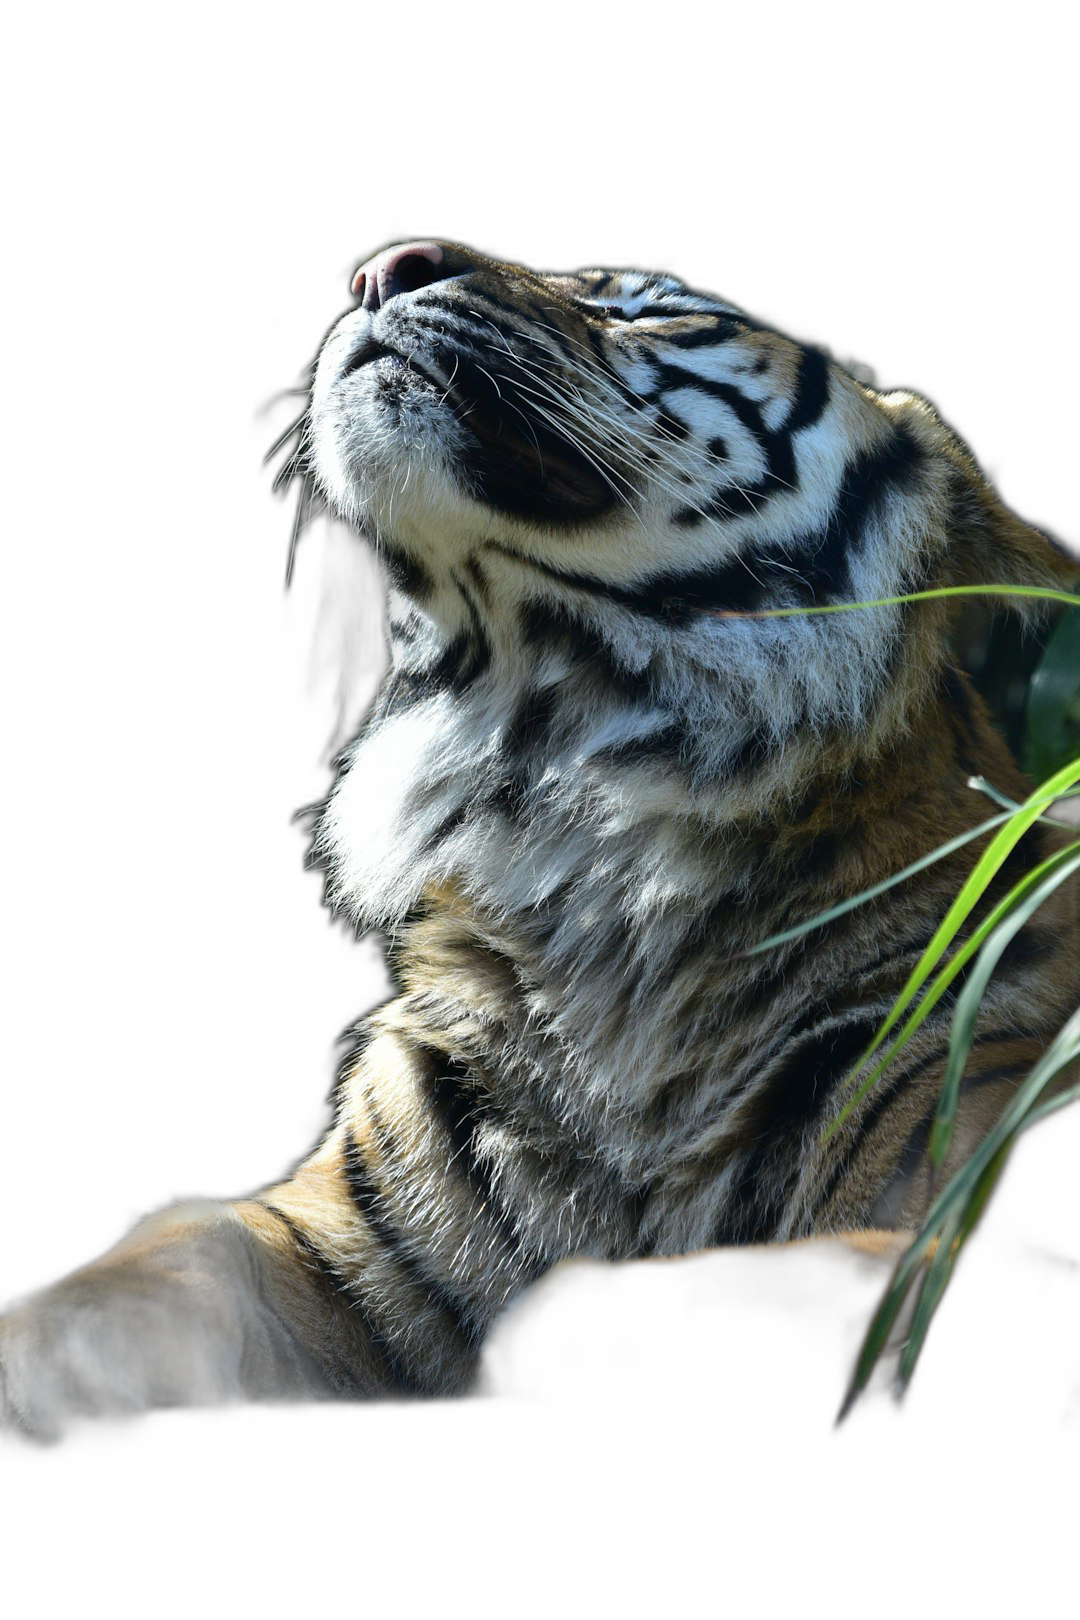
<point>874,475</point>
<point>403,630</point>
<point>881,1099</point>
<point>752,749</point>
<point>772,975</point>
<point>531,722</point>
<point>672,426</point>
<point>671,598</point>
<point>406,572</point>
<point>480,581</point>
<point>462,1111</point>
<point>1026,854</point>
<point>511,797</point>
<point>669,742</point>
<point>962,715</point>
<point>823,560</point>
<point>1006,1071</point>
<point>557,626</point>
<point>402,690</point>
<point>289,1353</point>
<point>818,857</point>
<point>449,824</point>
<point>599,349</point>
<point>548,342</point>
<point>673,376</point>
<point>461,662</point>
<point>1032,944</point>
<point>371,1205</point>
<point>481,644</point>
<point>888,1204</point>
<point>669,304</point>
<point>812,392</point>
<point>787,1103</point>
<point>899,954</point>
<point>811,398</point>
<point>911,1154</point>
<point>721,329</point>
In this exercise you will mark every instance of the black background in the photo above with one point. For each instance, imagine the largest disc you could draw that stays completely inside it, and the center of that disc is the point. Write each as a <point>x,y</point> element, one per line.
<point>180,992</point>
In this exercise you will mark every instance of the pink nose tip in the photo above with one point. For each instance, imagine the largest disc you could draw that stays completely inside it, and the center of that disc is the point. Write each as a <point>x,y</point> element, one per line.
<point>397,270</point>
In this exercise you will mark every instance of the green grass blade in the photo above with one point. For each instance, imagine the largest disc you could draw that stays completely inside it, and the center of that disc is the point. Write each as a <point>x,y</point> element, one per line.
<point>954,966</point>
<point>971,1190</point>
<point>987,866</point>
<point>875,889</point>
<point>981,785</point>
<point>881,1325</point>
<point>1035,592</point>
<point>1023,1111</point>
<point>940,1268</point>
<point>1059,1100</point>
<point>1057,870</point>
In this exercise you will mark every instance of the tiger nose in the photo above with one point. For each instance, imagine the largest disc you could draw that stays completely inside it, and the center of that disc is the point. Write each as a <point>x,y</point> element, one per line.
<point>397,270</point>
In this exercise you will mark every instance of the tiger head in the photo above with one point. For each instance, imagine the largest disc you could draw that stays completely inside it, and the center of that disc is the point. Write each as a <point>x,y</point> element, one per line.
<point>583,488</point>
<point>617,428</point>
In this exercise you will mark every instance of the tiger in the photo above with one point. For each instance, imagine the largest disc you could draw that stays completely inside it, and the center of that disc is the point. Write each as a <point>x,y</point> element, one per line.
<point>595,777</point>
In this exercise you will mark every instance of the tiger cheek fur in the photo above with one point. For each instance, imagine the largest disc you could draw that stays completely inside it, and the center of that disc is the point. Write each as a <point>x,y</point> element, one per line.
<point>583,791</point>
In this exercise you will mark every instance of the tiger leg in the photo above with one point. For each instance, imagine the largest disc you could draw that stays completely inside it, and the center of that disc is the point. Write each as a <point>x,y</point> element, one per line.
<point>373,1270</point>
<point>204,1304</point>
<point>290,1294</point>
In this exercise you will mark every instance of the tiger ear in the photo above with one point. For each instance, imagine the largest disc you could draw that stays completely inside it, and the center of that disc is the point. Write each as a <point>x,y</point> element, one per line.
<point>984,542</point>
<point>989,545</point>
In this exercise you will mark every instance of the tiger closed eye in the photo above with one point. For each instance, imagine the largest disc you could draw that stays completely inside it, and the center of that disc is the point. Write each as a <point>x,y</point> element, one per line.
<point>614,312</point>
<point>598,776</point>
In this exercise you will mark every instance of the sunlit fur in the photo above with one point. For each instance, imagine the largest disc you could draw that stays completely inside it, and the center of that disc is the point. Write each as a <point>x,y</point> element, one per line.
<point>586,789</point>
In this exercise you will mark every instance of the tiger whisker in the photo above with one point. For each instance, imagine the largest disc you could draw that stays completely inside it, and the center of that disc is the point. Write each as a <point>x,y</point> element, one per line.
<point>650,472</point>
<point>685,449</point>
<point>605,376</point>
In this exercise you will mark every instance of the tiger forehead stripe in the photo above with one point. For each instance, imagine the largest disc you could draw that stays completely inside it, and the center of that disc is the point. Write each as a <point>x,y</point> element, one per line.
<point>600,772</point>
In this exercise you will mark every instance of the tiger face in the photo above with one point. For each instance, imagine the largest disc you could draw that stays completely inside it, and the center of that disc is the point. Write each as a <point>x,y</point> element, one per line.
<point>631,437</point>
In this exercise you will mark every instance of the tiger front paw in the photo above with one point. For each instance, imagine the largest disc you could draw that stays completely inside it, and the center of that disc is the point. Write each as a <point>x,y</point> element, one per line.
<point>135,1332</point>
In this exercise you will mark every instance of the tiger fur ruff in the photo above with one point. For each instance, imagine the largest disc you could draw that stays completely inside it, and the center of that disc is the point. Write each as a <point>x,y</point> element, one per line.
<point>584,790</point>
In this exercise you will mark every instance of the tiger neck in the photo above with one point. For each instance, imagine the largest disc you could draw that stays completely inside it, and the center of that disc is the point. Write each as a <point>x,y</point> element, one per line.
<point>581,828</point>
<point>519,756</point>
<point>601,969</point>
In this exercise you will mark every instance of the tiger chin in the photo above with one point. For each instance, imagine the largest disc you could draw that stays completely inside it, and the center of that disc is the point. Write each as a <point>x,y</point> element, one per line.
<point>589,784</point>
